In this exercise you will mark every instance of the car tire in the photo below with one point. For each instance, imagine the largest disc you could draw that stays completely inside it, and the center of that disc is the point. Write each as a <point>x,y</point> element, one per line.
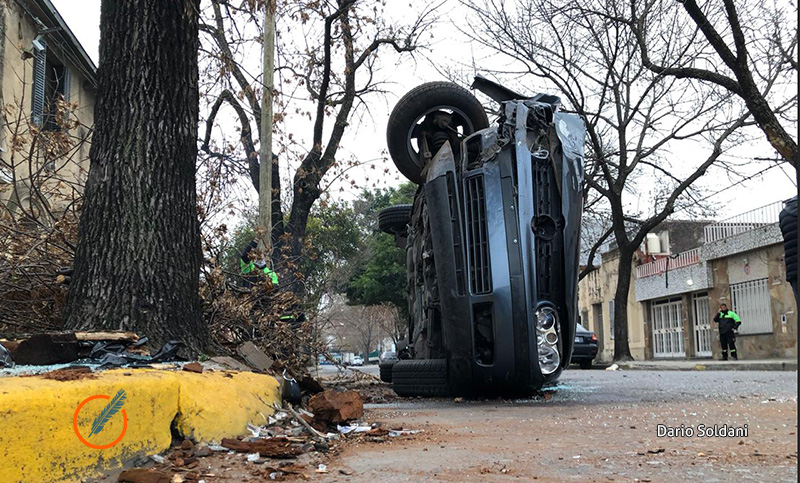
<point>386,370</point>
<point>586,364</point>
<point>394,219</point>
<point>416,104</point>
<point>420,377</point>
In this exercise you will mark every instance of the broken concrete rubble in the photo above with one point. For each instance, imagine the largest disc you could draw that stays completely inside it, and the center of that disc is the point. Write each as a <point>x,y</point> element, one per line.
<point>195,367</point>
<point>254,356</point>
<point>336,407</point>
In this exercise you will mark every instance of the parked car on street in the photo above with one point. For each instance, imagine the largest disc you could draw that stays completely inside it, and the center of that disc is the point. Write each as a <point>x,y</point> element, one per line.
<point>357,361</point>
<point>585,349</point>
<point>491,239</point>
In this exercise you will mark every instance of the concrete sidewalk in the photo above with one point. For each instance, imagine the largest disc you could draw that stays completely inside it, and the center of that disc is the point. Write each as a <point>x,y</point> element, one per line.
<point>711,365</point>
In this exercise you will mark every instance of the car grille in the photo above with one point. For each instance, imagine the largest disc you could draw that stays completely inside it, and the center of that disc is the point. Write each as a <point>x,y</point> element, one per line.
<point>457,236</point>
<point>547,227</point>
<point>477,236</point>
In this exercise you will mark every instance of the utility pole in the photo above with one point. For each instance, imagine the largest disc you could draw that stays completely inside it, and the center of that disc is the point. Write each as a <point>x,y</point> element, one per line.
<point>265,155</point>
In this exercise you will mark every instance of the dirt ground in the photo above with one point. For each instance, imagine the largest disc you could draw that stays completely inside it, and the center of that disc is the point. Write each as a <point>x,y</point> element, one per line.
<point>599,426</point>
<point>594,426</point>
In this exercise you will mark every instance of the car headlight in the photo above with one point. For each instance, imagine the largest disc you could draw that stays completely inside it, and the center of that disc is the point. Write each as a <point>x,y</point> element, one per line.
<point>545,318</point>
<point>548,359</point>
<point>547,339</point>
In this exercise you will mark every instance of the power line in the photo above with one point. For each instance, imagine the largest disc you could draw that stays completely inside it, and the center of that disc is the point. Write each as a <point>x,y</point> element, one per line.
<point>747,178</point>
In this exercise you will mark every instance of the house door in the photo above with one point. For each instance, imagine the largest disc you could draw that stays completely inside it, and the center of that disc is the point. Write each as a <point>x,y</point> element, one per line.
<point>667,323</point>
<point>597,327</point>
<point>702,326</point>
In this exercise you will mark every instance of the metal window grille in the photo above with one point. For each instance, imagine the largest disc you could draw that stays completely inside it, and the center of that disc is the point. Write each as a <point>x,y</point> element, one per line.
<point>751,301</point>
<point>667,321</point>
<point>702,326</point>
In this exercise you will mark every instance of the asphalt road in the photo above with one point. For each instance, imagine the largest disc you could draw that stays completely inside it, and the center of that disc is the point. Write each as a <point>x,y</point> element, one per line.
<point>595,426</point>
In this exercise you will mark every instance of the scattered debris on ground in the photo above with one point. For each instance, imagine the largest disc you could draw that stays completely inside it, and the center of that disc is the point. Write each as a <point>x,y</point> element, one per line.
<point>195,367</point>
<point>106,349</point>
<point>287,447</point>
<point>254,356</point>
<point>138,475</point>
<point>371,388</point>
<point>70,374</point>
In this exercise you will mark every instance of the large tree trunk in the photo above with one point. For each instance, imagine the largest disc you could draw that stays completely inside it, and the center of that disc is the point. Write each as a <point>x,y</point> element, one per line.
<point>138,259</point>
<point>622,350</point>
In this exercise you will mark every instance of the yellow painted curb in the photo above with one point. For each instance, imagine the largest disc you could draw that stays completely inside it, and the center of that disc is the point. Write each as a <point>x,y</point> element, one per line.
<point>38,442</point>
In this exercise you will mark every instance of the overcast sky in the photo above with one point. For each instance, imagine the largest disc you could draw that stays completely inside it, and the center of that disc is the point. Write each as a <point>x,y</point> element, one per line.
<point>83,17</point>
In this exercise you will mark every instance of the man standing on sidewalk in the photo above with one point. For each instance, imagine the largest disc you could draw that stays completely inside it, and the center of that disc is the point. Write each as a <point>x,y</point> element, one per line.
<point>729,322</point>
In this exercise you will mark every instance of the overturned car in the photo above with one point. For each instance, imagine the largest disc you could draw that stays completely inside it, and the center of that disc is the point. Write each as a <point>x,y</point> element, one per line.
<point>492,239</point>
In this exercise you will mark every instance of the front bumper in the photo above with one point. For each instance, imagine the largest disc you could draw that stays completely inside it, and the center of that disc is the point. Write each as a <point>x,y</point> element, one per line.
<point>583,352</point>
<point>506,244</point>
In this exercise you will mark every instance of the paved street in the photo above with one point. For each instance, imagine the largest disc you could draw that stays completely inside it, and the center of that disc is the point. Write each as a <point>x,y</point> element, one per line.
<point>328,370</point>
<point>596,426</point>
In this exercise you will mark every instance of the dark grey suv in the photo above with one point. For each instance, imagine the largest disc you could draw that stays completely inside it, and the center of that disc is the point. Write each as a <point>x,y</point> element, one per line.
<point>492,239</point>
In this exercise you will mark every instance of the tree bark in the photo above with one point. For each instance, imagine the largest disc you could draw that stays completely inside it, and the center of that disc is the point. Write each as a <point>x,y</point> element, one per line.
<point>622,351</point>
<point>138,257</point>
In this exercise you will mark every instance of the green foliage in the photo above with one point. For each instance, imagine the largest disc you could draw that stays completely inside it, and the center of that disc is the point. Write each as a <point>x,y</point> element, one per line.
<point>382,277</point>
<point>345,252</point>
<point>334,241</point>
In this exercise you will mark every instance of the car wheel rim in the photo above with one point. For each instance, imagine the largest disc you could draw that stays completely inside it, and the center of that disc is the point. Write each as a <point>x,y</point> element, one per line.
<point>461,122</point>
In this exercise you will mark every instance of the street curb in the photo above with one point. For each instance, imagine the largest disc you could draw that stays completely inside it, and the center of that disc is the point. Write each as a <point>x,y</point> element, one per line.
<point>38,439</point>
<point>732,366</point>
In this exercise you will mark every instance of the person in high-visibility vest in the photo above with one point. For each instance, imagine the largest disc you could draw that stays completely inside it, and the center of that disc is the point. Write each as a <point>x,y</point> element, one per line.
<point>250,268</point>
<point>253,268</point>
<point>729,323</point>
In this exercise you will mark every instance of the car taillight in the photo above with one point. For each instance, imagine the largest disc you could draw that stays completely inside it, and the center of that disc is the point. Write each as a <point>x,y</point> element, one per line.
<point>594,338</point>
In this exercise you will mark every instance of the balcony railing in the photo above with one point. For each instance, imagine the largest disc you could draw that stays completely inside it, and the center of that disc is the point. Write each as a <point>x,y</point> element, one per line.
<point>766,215</point>
<point>691,257</point>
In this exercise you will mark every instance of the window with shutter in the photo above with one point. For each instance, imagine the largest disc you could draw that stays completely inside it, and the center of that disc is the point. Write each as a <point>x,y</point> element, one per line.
<point>52,82</point>
<point>39,84</point>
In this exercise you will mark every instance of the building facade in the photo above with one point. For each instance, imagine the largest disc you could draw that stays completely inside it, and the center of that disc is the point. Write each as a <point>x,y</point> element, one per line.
<point>740,263</point>
<point>681,275</point>
<point>596,308</point>
<point>48,86</point>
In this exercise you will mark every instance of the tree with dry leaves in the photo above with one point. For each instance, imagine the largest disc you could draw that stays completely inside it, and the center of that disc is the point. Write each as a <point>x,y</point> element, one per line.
<point>328,64</point>
<point>745,47</point>
<point>42,173</point>
<point>138,256</point>
<point>635,118</point>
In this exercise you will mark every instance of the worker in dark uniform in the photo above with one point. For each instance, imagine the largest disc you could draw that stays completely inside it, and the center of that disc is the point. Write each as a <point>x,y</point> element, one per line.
<point>788,224</point>
<point>729,323</point>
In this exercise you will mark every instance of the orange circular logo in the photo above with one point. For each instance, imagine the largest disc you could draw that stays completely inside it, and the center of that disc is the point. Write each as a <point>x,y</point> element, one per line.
<point>78,433</point>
